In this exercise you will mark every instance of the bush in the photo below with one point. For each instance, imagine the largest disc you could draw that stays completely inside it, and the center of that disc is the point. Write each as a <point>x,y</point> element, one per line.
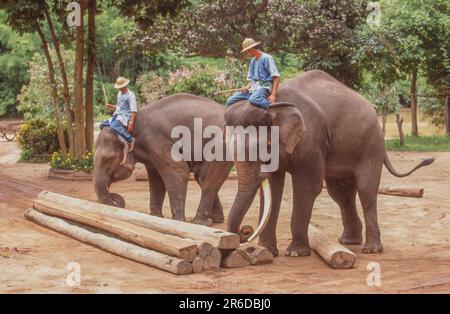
<point>68,162</point>
<point>38,140</point>
<point>201,80</point>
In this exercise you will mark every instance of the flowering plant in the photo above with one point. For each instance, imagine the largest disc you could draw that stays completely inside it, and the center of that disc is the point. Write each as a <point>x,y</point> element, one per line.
<point>68,162</point>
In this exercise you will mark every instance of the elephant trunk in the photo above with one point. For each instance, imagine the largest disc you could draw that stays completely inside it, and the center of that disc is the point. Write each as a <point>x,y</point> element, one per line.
<point>101,185</point>
<point>242,202</point>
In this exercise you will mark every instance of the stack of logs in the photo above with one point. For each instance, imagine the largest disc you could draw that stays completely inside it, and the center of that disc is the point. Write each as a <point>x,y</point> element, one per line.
<point>174,246</point>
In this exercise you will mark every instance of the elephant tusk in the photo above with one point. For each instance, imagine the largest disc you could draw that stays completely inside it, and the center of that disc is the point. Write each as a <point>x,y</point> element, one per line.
<point>267,195</point>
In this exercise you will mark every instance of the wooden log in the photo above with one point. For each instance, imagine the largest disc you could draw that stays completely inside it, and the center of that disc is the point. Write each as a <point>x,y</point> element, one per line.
<point>110,244</point>
<point>197,264</point>
<point>234,259</point>
<point>218,238</point>
<point>402,192</point>
<point>336,255</point>
<point>204,248</point>
<point>212,261</point>
<point>258,255</point>
<point>167,244</point>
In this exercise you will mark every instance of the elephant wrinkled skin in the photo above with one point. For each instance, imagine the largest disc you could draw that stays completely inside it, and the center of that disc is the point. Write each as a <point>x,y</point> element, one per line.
<point>153,128</point>
<point>327,132</point>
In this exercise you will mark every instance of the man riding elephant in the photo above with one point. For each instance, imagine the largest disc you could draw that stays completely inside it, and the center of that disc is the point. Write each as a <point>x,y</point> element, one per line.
<point>263,77</point>
<point>122,120</point>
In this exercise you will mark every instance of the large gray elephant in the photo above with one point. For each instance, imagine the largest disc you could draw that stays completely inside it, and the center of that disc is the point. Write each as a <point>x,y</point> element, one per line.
<point>327,132</point>
<point>153,127</point>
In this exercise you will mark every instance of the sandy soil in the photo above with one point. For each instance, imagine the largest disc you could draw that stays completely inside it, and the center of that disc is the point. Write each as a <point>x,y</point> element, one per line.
<point>415,233</point>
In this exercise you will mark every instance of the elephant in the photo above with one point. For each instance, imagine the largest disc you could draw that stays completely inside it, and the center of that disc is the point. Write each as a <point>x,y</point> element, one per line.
<point>153,145</point>
<point>329,132</point>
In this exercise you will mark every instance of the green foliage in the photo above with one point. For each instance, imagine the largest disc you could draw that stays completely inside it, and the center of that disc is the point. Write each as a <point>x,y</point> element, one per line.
<point>200,80</point>
<point>68,162</point>
<point>420,144</point>
<point>412,35</point>
<point>38,140</point>
<point>15,52</point>
<point>35,97</point>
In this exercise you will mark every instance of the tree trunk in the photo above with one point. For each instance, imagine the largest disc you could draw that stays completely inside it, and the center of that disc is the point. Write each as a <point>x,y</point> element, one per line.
<point>54,91</point>
<point>383,122</point>
<point>62,69</point>
<point>414,127</point>
<point>78,107</point>
<point>399,122</point>
<point>447,114</point>
<point>92,8</point>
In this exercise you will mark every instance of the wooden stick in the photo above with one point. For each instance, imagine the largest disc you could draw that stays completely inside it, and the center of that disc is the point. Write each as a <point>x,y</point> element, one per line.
<point>104,94</point>
<point>226,91</point>
<point>110,244</point>
<point>167,244</point>
<point>402,192</point>
<point>336,255</point>
<point>218,238</point>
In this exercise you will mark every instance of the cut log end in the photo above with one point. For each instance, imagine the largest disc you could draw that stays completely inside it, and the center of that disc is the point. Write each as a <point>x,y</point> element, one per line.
<point>342,260</point>
<point>234,259</point>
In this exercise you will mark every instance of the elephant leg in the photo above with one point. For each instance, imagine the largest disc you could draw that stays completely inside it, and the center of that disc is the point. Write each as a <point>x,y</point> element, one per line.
<point>307,184</point>
<point>217,215</point>
<point>204,210</point>
<point>268,237</point>
<point>210,178</point>
<point>368,178</point>
<point>343,192</point>
<point>157,191</point>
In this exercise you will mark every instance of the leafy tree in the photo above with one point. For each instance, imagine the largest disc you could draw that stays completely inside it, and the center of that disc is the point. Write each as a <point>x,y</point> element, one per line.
<point>320,31</point>
<point>413,38</point>
<point>15,52</point>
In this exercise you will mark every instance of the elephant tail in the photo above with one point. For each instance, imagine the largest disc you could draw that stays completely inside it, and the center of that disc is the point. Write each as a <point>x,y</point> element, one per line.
<point>387,163</point>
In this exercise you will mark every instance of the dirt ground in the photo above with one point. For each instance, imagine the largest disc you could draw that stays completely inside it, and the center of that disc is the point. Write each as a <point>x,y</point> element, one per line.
<point>415,234</point>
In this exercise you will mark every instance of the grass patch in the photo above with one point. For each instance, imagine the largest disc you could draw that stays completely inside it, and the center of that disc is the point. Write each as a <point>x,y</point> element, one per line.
<point>420,144</point>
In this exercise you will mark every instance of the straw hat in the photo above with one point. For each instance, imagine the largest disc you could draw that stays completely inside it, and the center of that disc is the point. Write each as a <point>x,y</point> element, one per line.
<point>249,43</point>
<point>121,82</point>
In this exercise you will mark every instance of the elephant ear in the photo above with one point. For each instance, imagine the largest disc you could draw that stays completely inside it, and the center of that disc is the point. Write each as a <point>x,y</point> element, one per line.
<point>291,124</point>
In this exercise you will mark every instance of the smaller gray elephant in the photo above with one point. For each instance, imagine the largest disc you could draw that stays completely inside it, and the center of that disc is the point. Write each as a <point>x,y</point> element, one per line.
<point>153,128</point>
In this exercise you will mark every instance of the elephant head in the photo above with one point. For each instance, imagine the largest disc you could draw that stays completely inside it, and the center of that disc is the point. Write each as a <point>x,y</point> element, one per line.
<point>291,128</point>
<point>107,168</point>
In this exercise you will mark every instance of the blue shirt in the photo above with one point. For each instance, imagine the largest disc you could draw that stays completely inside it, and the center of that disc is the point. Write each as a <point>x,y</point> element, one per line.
<point>261,72</point>
<point>126,104</point>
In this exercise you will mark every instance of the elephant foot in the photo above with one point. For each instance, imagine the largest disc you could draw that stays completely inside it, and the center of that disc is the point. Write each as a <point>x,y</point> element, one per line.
<point>156,213</point>
<point>271,246</point>
<point>217,217</point>
<point>179,218</point>
<point>372,247</point>
<point>347,239</point>
<point>297,249</point>
<point>202,221</point>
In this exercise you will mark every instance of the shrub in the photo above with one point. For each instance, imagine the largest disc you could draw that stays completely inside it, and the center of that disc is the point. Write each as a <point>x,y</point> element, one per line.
<point>68,162</point>
<point>202,80</point>
<point>38,140</point>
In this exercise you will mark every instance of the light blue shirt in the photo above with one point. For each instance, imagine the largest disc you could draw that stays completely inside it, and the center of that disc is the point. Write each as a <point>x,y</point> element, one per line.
<point>126,104</point>
<point>262,71</point>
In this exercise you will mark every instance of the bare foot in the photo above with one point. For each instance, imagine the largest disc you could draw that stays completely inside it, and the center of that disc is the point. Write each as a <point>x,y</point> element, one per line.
<point>131,145</point>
